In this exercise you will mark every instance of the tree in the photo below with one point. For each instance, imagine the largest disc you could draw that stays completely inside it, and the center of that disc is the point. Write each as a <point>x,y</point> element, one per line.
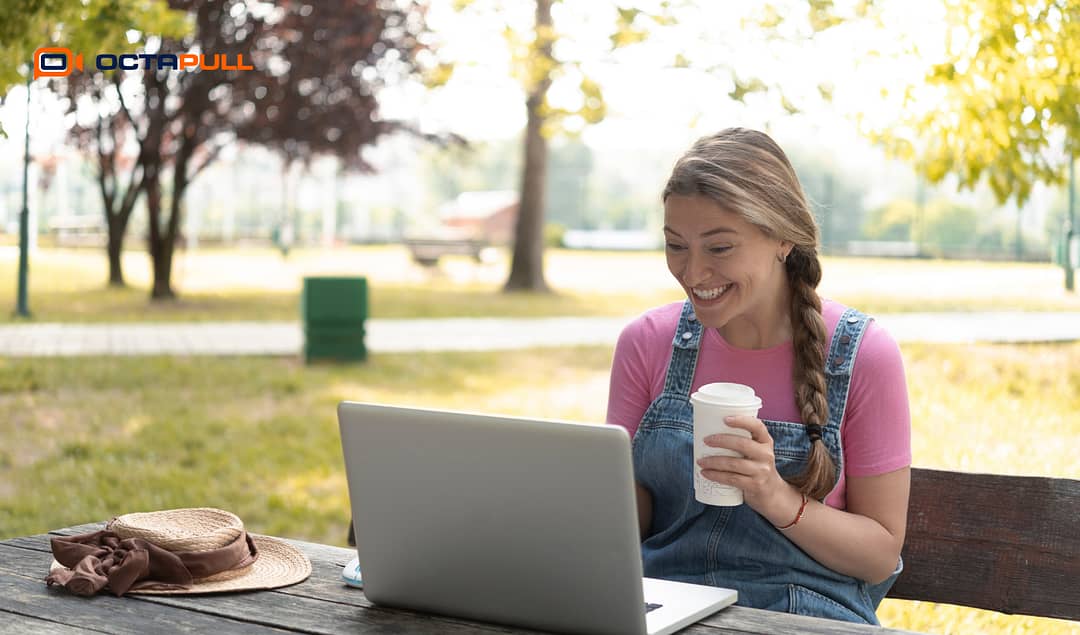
<point>107,136</point>
<point>79,25</point>
<point>527,265</point>
<point>1002,104</point>
<point>536,66</point>
<point>538,62</point>
<point>309,92</point>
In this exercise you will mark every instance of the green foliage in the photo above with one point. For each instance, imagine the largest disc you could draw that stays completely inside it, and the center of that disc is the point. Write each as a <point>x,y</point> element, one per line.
<point>553,234</point>
<point>947,225</point>
<point>892,221</point>
<point>87,26</point>
<point>941,228</point>
<point>996,107</point>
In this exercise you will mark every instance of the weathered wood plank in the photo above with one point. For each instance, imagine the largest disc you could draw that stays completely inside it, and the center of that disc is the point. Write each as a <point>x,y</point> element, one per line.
<point>79,529</point>
<point>16,624</point>
<point>739,619</point>
<point>309,615</point>
<point>28,563</point>
<point>27,601</point>
<point>39,542</point>
<point>322,604</point>
<point>1004,543</point>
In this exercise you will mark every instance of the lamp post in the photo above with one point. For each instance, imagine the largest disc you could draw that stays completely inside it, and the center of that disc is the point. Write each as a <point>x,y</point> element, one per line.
<point>22,308</point>
<point>1070,229</point>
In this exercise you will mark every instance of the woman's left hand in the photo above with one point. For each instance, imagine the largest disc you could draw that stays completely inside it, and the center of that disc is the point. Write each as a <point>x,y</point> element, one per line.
<point>755,473</point>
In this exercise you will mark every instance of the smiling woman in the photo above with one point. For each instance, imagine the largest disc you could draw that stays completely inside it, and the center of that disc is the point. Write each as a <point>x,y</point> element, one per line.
<point>825,473</point>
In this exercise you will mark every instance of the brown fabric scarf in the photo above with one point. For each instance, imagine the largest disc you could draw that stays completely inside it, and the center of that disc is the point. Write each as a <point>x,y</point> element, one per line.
<point>102,559</point>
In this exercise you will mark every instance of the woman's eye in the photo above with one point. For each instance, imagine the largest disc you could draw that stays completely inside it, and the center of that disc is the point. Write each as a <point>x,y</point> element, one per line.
<point>674,247</point>
<point>718,250</point>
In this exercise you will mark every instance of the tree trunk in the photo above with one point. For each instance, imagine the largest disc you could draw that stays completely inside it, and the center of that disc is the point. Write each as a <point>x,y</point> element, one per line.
<point>162,277</point>
<point>160,255</point>
<point>527,266</point>
<point>116,221</point>
<point>115,248</point>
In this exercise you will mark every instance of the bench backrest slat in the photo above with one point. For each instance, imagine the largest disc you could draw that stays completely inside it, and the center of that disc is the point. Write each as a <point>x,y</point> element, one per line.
<point>1004,543</point>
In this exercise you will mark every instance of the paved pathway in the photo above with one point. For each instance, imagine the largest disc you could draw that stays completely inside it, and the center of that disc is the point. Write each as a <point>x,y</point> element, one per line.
<point>464,334</point>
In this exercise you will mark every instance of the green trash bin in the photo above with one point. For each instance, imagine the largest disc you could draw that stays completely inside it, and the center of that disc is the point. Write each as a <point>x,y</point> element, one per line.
<point>334,310</point>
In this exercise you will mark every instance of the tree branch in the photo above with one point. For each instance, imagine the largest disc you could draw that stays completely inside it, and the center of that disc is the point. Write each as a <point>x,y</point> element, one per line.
<point>127,113</point>
<point>211,156</point>
<point>103,173</point>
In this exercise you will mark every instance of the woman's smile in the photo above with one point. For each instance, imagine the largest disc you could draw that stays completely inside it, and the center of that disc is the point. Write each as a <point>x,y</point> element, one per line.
<point>708,296</point>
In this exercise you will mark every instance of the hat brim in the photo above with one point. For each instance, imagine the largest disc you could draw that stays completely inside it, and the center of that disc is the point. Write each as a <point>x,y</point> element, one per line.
<point>279,564</point>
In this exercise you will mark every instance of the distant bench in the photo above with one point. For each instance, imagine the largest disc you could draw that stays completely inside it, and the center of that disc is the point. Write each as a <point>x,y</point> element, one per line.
<point>78,229</point>
<point>427,251</point>
<point>1003,543</point>
<point>883,248</point>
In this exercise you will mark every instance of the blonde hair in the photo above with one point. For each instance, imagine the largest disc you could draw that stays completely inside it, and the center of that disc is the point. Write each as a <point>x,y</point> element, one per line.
<point>747,173</point>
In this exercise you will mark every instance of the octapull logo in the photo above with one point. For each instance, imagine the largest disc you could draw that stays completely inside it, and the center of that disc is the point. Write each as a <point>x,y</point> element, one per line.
<point>58,62</point>
<point>55,62</point>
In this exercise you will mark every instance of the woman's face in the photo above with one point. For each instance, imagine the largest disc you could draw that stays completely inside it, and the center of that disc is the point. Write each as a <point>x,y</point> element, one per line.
<point>728,267</point>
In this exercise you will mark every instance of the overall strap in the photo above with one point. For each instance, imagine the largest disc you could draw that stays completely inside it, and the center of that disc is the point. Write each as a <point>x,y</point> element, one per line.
<point>840,360</point>
<point>838,365</point>
<point>684,353</point>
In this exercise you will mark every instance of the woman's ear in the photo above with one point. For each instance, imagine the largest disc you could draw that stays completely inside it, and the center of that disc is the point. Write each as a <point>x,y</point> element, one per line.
<point>785,250</point>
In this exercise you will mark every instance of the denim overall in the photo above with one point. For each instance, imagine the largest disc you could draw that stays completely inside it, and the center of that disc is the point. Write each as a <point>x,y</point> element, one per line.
<point>735,547</point>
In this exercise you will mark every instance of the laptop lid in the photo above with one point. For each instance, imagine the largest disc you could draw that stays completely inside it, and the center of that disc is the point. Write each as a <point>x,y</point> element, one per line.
<point>523,522</point>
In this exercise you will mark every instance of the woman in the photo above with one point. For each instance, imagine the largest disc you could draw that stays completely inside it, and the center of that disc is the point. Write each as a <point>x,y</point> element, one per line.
<point>825,475</point>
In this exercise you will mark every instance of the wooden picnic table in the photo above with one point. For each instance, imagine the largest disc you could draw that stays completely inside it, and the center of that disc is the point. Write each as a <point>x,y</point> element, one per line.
<point>321,604</point>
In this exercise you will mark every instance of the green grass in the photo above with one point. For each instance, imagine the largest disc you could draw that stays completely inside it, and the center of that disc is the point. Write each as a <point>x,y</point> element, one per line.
<point>87,439</point>
<point>258,284</point>
<point>258,435</point>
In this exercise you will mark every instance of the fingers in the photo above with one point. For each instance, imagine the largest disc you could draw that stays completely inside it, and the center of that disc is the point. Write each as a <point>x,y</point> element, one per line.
<point>753,425</point>
<point>730,465</point>
<point>742,445</point>
<point>759,445</point>
<point>755,478</point>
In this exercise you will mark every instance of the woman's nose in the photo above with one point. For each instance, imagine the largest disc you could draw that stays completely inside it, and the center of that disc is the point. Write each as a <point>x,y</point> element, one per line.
<point>698,269</point>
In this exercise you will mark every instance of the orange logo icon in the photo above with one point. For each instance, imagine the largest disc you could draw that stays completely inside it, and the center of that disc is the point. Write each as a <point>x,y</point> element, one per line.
<point>55,62</point>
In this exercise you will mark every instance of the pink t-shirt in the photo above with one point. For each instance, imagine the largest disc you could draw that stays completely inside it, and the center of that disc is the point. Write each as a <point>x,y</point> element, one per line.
<point>876,429</point>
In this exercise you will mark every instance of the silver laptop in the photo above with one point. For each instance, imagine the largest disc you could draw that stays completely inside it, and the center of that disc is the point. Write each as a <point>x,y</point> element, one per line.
<point>516,521</point>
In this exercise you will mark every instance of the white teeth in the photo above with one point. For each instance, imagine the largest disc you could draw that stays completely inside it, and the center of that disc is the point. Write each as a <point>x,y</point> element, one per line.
<point>710,294</point>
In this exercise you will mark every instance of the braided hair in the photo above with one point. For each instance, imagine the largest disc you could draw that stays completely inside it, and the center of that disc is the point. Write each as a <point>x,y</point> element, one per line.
<point>746,172</point>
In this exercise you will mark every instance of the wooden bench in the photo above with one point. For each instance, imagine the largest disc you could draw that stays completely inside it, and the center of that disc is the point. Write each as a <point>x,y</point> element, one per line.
<point>1004,543</point>
<point>427,251</point>
<point>77,230</point>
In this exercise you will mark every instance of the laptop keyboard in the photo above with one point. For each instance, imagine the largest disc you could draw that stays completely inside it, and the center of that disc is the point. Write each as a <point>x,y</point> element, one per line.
<point>651,607</point>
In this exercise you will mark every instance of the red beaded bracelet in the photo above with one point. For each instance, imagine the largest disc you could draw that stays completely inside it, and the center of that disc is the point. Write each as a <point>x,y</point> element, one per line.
<point>798,516</point>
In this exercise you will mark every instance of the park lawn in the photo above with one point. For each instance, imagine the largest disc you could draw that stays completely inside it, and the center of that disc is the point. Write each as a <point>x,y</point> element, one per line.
<point>68,285</point>
<point>88,438</point>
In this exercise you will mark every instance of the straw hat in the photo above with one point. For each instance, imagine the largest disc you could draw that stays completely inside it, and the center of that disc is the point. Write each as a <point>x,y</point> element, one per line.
<point>187,531</point>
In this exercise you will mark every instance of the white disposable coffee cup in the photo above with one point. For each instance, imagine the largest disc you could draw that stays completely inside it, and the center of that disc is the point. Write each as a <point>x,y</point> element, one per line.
<point>711,403</point>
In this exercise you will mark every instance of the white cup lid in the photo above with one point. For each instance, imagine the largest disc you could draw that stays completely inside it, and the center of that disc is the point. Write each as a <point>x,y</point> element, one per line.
<point>727,394</point>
